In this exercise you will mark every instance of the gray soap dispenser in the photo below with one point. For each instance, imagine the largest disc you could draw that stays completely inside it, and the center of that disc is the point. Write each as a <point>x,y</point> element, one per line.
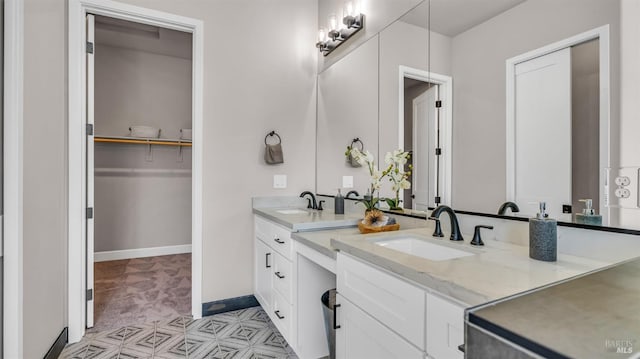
<point>588,215</point>
<point>543,236</point>
<point>338,203</point>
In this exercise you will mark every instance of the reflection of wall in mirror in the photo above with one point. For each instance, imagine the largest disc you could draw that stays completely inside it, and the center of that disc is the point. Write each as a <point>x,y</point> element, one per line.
<point>478,68</point>
<point>404,44</point>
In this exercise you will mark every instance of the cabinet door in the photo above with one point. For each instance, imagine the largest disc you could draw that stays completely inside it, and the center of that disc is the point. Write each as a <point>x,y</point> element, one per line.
<point>263,277</point>
<point>445,328</point>
<point>361,336</point>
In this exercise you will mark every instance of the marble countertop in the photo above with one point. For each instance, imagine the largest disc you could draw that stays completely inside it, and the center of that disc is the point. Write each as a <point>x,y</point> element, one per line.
<point>309,220</point>
<point>600,316</point>
<point>496,270</point>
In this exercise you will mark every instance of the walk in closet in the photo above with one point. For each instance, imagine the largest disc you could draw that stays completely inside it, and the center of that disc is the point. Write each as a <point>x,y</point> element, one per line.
<point>142,163</point>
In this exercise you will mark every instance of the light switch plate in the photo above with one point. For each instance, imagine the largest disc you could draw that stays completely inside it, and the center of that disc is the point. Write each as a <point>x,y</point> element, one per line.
<point>279,181</point>
<point>347,181</point>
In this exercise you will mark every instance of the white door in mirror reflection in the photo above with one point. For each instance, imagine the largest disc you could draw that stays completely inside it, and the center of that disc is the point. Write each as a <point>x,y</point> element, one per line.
<point>543,132</point>
<point>424,176</point>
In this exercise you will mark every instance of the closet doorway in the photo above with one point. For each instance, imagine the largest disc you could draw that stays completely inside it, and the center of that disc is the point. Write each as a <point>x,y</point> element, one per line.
<point>136,248</point>
<point>138,172</point>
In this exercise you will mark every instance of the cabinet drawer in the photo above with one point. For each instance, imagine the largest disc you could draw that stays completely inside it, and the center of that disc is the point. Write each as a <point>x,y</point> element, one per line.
<point>445,328</point>
<point>281,315</point>
<point>281,241</point>
<point>282,277</point>
<point>361,336</point>
<point>277,237</point>
<point>392,301</point>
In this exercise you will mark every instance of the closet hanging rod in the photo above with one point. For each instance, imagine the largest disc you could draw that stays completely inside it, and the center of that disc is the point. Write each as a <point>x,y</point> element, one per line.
<point>141,141</point>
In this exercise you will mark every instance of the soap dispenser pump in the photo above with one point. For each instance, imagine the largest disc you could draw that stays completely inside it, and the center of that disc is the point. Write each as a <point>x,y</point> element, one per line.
<point>588,215</point>
<point>338,203</point>
<point>543,236</point>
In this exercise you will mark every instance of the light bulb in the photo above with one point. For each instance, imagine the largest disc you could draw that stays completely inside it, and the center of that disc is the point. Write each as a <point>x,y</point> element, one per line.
<point>333,22</point>
<point>322,35</point>
<point>349,9</point>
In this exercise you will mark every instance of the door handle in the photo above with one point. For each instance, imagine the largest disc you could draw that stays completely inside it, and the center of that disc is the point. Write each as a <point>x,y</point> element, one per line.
<point>266,260</point>
<point>335,316</point>
<point>278,314</point>
<point>278,240</point>
<point>279,275</point>
<point>461,347</point>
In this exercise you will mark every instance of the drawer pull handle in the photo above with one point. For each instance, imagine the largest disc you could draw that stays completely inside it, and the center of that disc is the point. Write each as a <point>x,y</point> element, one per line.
<point>279,275</point>
<point>461,347</point>
<point>266,260</point>
<point>335,316</point>
<point>278,240</point>
<point>278,314</point>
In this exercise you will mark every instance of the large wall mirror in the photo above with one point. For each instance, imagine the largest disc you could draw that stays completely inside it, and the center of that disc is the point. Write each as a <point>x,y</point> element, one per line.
<point>536,102</point>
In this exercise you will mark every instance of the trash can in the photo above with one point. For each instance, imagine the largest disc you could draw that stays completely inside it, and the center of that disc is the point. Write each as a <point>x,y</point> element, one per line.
<point>329,310</point>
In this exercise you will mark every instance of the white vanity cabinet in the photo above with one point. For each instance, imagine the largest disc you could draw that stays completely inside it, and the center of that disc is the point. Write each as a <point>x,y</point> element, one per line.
<point>274,274</point>
<point>382,315</point>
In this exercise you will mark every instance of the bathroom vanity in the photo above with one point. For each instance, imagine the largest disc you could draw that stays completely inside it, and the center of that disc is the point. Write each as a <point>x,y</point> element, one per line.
<point>393,300</point>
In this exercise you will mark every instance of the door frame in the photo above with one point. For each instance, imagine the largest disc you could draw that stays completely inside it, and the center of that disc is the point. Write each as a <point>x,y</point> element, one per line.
<point>446,125</point>
<point>12,225</point>
<point>78,10</point>
<point>601,33</point>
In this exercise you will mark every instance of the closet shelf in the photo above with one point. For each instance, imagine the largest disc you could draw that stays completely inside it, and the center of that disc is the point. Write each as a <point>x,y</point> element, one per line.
<point>143,141</point>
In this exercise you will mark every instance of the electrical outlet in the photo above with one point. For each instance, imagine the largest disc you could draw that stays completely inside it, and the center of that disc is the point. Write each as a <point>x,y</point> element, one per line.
<point>622,193</point>
<point>347,181</point>
<point>279,181</point>
<point>623,181</point>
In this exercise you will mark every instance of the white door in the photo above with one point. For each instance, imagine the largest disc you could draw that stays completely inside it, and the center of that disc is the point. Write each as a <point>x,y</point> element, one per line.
<point>424,176</point>
<point>90,167</point>
<point>361,336</point>
<point>543,132</point>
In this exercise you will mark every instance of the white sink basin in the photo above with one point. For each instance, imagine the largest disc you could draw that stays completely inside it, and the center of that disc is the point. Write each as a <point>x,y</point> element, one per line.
<point>421,248</point>
<point>291,211</point>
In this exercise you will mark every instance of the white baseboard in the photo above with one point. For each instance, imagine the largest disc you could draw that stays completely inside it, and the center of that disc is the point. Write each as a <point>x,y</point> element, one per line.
<point>140,253</point>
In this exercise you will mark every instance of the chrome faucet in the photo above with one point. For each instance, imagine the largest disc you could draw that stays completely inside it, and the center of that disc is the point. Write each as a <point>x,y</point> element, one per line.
<point>313,199</point>
<point>507,205</point>
<point>352,192</point>
<point>455,227</point>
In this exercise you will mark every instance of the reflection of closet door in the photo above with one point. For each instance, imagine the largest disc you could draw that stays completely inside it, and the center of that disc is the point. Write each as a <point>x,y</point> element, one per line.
<point>543,132</point>
<point>90,167</point>
<point>424,177</point>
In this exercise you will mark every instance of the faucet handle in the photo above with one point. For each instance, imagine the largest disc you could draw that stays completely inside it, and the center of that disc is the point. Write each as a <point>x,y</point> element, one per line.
<point>309,203</point>
<point>477,240</point>
<point>437,232</point>
<point>320,205</point>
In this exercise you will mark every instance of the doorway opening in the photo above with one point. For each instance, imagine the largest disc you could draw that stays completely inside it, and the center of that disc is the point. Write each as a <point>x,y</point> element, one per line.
<point>424,124</point>
<point>139,89</point>
<point>135,164</point>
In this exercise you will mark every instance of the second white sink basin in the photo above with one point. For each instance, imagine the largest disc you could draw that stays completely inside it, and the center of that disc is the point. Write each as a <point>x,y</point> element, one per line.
<point>421,248</point>
<point>291,211</point>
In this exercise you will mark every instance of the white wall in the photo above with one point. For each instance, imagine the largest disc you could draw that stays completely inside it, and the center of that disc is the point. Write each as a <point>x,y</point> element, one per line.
<point>141,88</point>
<point>45,168</point>
<point>629,145</point>
<point>478,66</point>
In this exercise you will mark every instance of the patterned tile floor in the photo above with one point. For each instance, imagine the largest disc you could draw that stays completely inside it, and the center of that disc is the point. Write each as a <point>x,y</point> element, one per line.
<point>246,333</point>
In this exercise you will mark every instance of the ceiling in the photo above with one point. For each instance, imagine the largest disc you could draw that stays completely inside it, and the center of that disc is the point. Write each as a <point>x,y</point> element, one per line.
<point>453,17</point>
<point>135,36</point>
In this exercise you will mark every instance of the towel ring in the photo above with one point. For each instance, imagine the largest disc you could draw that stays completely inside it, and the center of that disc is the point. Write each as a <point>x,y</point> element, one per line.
<point>357,140</point>
<point>271,134</point>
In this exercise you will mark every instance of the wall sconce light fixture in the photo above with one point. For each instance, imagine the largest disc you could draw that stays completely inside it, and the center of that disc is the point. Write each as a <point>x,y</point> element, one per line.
<point>352,22</point>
